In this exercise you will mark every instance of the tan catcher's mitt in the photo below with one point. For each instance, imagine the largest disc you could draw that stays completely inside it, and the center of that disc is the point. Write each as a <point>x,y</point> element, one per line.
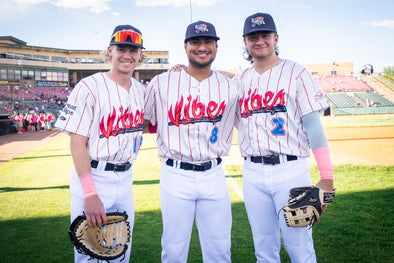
<point>305,205</point>
<point>106,242</point>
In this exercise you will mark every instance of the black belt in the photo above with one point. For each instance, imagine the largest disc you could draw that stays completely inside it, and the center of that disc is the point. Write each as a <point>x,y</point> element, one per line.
<point>112,167</point>
<point>195,167</point>
<point>271,159</point>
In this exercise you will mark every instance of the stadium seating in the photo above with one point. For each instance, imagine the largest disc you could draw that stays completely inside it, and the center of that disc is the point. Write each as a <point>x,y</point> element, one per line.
<point>375,99</point>
<point>52,92</point>
<point>17,95</point>
<point>343,100</point>
<point>341,83</point>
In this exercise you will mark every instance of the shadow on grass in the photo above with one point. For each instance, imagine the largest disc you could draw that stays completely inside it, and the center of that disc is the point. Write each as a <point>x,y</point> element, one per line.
<point>147,233</point>
<point>145,182</point>
<point>234,176</point>
<point>16,189</point>
<point>46,239</point>
<point>357,227</point>
<point>42,157</point>
<point>148,148</point>
<point>36,240</point>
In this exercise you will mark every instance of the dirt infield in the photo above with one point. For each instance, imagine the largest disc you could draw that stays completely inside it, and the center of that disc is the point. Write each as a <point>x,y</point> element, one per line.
<point>364,146</point>
<point>361,146</point>
<point>13,145</point>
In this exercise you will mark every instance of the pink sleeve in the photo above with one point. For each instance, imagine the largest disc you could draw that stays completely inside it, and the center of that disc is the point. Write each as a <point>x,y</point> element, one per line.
<point>322,156</point>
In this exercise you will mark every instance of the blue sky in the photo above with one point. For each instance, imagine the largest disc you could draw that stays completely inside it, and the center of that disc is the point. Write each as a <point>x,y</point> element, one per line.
<point>310,31</point>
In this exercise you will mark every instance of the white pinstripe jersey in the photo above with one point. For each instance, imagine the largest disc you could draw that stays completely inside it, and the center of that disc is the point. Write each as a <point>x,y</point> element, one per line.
<point>195,119</point>
<point>271,106</point>
<point>110,116</point>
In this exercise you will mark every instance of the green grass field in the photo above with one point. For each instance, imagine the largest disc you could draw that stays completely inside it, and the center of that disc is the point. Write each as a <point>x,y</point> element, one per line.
<point>358,121</point>
<point>35,204</point>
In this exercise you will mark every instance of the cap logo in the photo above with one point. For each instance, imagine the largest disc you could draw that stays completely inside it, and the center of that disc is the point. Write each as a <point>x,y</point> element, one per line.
<point>201,28</point>
<point>258,21</point>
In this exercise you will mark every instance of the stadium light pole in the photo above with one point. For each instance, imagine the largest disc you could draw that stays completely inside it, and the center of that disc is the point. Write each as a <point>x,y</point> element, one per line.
<point>190,11</point>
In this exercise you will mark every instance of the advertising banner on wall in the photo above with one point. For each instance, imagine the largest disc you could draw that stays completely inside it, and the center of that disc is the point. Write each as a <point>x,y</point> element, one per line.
<point>51,84</point>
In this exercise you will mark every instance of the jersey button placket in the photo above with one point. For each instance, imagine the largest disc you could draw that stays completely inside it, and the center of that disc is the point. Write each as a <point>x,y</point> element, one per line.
<point>193,128</point>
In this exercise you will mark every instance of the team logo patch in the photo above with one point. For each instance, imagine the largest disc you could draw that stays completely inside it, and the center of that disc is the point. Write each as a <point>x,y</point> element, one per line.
<point>258,21</point>
<point>319,96</point>
<point>201,28</point>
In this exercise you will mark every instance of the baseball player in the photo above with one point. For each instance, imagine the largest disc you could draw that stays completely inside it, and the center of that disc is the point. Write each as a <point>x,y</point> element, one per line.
<point>194,110</point>
<point>104,118</point>
<point>279,120</point>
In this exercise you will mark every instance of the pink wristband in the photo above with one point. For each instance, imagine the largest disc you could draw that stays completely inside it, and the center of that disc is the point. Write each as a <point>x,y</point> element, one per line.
<point>322,156</point>
<point>87,185</point>
<point>152,128</point>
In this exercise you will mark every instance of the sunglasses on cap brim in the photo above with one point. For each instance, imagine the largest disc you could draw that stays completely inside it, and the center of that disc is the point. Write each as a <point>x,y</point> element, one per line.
<point>121,36</point>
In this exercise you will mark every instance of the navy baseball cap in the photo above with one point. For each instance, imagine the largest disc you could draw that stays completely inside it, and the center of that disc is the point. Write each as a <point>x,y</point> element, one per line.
<point>126,35</point>
<point>200,29</point>
<point>259,22</point>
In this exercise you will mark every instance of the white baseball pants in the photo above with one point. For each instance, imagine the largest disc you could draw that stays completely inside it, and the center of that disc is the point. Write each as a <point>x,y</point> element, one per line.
<point>115,190</point>
<point>266,189</point>
<point>203,196</point>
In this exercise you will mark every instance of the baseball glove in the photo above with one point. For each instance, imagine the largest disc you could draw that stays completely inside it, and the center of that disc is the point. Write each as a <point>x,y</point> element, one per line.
<point>305,205</point>
<point>106,242</point>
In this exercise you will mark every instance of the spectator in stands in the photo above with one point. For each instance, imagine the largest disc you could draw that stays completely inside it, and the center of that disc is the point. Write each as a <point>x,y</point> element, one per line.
<point>26,122</point>
<point>19,122</point>
<point>41,121</point>
<point>33,121</point>
<point>14,127</point>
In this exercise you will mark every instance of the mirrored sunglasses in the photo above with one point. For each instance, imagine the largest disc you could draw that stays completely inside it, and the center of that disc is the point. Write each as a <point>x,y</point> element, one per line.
<point>121,36</point>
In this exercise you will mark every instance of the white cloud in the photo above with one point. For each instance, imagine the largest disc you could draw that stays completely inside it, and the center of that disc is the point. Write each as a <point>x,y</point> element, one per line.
<point>177,3</point>
<point>383,23</point>
<point>30,2</point>
<point>94,6</point>
<point>23,4</point>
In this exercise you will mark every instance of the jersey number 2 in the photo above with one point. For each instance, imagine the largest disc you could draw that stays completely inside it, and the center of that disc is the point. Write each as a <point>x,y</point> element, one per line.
<point>278,123</point>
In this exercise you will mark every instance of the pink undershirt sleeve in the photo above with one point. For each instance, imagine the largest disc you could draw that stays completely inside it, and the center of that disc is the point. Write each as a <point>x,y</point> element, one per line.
<point>322,157</point>
<point>87,185</point>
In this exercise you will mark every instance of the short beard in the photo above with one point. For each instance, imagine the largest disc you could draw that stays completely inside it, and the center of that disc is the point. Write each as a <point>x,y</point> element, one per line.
<point>200,65</point>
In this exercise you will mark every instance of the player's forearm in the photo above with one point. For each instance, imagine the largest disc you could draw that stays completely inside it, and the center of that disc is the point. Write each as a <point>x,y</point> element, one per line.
<point>81,160</point>
<point>80,154</point>
<point>322,157</point>
<point>314,130</point>
<point>319,145</point>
